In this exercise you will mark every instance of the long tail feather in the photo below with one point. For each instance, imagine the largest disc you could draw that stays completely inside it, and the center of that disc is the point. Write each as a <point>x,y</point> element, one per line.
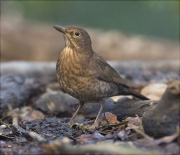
<point>136,94</point>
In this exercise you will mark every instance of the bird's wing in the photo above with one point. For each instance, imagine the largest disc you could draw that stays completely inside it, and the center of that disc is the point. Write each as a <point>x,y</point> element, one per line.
<point>103,71</point>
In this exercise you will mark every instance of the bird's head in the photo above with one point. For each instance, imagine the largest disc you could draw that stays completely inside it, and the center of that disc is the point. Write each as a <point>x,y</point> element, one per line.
<point>75,36</point>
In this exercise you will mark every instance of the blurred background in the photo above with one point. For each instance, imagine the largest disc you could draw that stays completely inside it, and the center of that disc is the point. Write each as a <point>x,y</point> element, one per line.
<point>120,30</point>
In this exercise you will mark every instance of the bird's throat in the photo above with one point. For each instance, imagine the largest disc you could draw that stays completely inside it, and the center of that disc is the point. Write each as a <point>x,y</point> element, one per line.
<point>74,56</point>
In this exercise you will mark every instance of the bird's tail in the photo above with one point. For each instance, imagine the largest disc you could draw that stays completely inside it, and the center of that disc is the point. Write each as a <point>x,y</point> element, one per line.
<point>129,91</point>
<point>126,90</point>
<point>136,94</point>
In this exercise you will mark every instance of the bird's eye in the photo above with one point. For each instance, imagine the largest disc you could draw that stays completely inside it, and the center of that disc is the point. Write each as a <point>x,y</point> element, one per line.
<point>77,33</point>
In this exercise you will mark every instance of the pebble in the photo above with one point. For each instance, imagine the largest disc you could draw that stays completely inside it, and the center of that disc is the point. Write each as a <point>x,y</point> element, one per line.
<point>154,91</point>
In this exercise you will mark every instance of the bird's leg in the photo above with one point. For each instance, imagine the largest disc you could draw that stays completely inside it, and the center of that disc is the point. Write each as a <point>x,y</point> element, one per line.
<point>100,110</point>
<point>72,119</point>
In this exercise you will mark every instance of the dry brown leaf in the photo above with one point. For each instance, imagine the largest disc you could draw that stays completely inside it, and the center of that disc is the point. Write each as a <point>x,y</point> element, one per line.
<point>132,120</point>
<point>111,118</point>
<point>32,115</point>
<point>83,138</point>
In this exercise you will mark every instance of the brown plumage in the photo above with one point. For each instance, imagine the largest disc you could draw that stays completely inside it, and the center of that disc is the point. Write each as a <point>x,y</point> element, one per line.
<point>84,74</point>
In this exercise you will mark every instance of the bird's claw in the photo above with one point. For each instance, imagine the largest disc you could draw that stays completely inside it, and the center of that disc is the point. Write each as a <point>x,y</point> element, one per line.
<point>71,123</point>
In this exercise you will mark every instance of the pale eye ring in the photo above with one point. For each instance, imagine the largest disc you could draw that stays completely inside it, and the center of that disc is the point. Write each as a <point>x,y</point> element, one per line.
<point>77,33</point>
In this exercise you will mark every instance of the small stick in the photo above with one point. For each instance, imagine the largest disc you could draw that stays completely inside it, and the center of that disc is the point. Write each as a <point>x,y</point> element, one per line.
<point>32,134</point>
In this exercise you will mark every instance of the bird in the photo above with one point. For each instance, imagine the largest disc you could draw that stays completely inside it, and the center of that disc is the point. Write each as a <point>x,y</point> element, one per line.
<point>84,74</point>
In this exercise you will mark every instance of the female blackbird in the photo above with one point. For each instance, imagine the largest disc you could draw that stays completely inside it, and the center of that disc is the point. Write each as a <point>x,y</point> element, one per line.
<point>84,74</point>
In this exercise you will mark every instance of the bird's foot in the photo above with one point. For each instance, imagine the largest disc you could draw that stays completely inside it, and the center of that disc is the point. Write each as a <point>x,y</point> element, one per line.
<point>92,127</point>
<point>78,126</point>
<point>84,126</point>
<point>71,123</point>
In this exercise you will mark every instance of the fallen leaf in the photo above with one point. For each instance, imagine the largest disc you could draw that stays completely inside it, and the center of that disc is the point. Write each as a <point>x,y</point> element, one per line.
<point>32,115</point>
<point>111,118</point>
<point>133,121</point>
<point>83,138</point>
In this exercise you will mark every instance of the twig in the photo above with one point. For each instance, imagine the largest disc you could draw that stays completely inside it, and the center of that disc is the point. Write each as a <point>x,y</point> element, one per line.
<point>34,135</point>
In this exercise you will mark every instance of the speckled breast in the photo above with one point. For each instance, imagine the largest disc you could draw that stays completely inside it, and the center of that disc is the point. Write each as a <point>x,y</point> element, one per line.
<point>80,82</point>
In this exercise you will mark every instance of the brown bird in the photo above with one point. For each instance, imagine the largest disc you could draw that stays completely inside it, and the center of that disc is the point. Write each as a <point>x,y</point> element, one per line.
<point>84,74</point>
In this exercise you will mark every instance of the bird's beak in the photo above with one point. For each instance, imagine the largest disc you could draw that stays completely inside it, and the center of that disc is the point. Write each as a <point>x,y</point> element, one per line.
<point>60,28</point>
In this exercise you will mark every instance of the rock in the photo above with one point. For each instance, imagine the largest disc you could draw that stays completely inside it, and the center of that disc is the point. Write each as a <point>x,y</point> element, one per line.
<point>17,90</point>
<point>116,98</point>
<point>154,91</point>
<point>63,105</point>
<point>123,108</point>
<point>14,91</point>
<point>54,102</point>
<point>126,107</point>
<point>163,118</point>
